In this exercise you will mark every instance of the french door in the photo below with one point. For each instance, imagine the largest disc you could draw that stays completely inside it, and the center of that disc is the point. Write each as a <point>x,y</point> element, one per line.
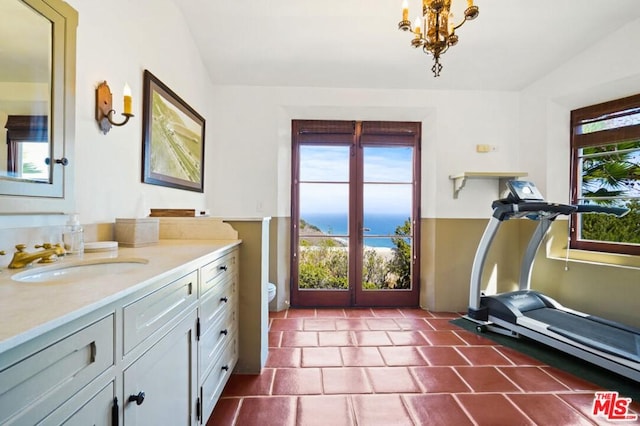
<point>355,213</point>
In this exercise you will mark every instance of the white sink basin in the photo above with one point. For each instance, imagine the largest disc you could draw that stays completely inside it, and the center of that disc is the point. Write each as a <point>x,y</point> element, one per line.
<point>79,269</point>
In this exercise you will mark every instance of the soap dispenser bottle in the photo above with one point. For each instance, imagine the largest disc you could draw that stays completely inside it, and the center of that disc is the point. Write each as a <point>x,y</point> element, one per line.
<point>73,237</point>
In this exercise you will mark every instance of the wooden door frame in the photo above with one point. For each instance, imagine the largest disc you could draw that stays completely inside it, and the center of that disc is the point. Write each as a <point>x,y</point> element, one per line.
<point>335,130</point>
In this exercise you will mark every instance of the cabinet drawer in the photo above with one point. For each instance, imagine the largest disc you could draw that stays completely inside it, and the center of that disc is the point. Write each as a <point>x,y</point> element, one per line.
<point>214,339</point>
<point>88,407</point>
<point>147,315</point>
<point>215,272</point>
<point>213,384</point>
<point>221,298</point>
<point>36,385</point>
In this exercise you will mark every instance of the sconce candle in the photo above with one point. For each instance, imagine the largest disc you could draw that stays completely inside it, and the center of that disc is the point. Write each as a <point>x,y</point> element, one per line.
<point>104,110</point>
<point>127,99</point>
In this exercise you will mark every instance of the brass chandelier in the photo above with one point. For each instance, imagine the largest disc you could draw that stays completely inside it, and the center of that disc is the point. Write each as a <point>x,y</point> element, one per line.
<point>435,29</point>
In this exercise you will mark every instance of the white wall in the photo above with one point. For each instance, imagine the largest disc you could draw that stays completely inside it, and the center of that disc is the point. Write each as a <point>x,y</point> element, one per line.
<point>117,40</point>
<point>252,133</point>
<point>607,70</point>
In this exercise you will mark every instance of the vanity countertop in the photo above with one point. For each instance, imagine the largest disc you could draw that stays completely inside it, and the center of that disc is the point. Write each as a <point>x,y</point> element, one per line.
<point>28,309</point>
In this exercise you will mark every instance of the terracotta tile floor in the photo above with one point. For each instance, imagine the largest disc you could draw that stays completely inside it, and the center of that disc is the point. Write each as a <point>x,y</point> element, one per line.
<point>397,367</point>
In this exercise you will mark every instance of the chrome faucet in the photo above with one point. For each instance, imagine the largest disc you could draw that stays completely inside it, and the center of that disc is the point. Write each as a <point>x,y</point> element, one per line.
<point>48,254</point>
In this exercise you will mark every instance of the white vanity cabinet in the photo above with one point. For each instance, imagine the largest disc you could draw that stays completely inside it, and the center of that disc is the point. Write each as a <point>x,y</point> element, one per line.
<point>218,345</point>
<point>157,354</point>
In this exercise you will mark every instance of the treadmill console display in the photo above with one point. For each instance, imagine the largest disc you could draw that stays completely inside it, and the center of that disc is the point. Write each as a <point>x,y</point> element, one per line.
<point>524,191</point>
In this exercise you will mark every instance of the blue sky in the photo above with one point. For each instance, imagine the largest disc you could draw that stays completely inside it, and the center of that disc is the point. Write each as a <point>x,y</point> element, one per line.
<point>331,164</point>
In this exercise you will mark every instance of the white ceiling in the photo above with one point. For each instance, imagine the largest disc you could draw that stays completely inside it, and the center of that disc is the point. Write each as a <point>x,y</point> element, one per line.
<point>356,43</point>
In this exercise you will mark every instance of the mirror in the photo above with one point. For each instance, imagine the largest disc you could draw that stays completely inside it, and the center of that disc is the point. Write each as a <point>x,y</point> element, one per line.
<point>25,91</point>
<point>37,104</point>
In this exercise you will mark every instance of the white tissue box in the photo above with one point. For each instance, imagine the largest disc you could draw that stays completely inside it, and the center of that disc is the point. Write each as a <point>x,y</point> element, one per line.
<point>137,232</point>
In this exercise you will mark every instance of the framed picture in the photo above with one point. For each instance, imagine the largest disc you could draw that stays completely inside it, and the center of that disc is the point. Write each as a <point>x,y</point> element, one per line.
<point>172,139</point>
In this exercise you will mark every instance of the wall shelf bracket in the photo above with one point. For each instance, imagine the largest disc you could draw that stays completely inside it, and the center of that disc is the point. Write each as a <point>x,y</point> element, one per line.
<point>460,179</point>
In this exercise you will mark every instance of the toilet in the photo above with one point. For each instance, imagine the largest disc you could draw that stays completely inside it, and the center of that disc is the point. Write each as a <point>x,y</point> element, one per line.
<point>271,290</point>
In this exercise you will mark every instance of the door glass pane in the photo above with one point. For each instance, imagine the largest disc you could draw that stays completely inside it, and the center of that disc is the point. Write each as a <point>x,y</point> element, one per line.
<point>323,251</point>
<point>388,164</point>
<point>387,218</point>
<point>324,264</point>
<point>320,163</point>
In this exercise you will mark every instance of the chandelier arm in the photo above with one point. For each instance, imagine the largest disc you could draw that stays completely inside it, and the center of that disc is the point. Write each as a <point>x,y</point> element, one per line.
<point>469,15</point>
<point>459,25</point>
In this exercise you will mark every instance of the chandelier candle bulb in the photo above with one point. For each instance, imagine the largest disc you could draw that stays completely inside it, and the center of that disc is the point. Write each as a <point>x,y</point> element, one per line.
<point>127,99</point>
<point>405,10</point>
<point>469,3</point>
<point>417,27</point>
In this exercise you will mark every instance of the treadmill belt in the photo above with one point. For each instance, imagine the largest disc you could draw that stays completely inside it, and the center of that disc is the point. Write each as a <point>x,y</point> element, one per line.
<point>595,334</point>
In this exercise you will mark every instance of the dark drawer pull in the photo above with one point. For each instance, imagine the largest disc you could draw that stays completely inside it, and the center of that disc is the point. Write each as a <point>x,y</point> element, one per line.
<point>223,267</point>
<point>224,299</point>
<point>225,368</point>
<point>225,332</point>
<point>138,399</point>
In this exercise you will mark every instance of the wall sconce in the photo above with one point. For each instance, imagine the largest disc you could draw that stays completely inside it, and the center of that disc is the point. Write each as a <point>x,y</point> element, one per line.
<point>104,107</point>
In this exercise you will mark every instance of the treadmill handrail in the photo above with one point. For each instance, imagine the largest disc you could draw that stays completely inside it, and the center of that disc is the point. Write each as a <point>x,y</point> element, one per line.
<point>504,209</point>
<point>595,208</point>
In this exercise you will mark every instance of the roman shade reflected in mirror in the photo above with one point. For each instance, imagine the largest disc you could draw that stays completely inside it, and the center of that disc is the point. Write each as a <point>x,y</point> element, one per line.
<point>23,131</point>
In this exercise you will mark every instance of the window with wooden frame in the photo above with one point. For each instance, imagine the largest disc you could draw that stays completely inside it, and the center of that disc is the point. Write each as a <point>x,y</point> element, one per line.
<point>605,170</point>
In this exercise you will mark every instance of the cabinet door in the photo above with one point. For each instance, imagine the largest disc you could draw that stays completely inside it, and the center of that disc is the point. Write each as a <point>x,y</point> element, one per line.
<point>160,387</point>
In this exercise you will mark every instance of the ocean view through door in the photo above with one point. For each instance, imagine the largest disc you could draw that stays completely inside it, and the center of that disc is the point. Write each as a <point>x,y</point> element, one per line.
<point>355,213</point>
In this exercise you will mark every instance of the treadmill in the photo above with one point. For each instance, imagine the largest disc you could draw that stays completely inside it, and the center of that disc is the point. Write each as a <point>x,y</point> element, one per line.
<point>608,344</point>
